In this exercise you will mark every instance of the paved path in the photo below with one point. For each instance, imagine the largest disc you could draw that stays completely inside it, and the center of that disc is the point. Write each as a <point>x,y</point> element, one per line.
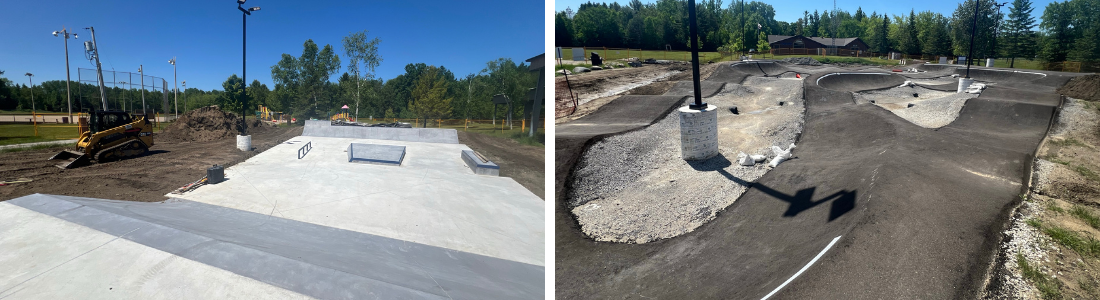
<point>872,207</point>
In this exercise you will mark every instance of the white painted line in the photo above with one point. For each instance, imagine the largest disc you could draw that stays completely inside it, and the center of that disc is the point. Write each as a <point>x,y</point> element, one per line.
<point>812,261</point>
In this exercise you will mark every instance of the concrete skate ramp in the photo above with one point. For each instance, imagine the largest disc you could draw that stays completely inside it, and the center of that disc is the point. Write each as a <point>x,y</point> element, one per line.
<point>313,260</point>
<point>855,82</point>
<point>760,68</point>
<point>687,88</point>
<point>422,135</point>
<point>885,204</point>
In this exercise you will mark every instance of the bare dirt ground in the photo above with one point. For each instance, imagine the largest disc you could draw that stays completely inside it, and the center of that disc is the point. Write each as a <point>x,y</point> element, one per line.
<point>168,166</point>
<point>598,88</point>
<point>523,163</point>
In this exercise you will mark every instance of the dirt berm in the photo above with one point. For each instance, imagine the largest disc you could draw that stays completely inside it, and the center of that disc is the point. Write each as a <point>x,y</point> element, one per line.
<point>1084,87</point>
<point>208,124</point>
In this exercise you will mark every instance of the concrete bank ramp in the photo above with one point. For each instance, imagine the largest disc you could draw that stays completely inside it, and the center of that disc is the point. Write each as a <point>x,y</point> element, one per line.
<point>424,135</point>
<point>855,82</point>
<point>274,254</point>
<point>738,71</point>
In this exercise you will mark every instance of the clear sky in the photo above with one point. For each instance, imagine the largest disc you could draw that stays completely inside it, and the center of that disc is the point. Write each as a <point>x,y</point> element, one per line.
<point>205,36</point>
<point>791,10</point>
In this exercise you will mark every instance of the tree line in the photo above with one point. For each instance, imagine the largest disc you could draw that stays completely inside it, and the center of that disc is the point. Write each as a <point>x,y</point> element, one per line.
<point>1068,30</point>
<point>314,84</point>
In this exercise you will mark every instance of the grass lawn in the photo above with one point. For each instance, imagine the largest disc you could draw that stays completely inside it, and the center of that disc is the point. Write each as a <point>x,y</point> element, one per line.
<point>612,54</point>
<point>19,133</point>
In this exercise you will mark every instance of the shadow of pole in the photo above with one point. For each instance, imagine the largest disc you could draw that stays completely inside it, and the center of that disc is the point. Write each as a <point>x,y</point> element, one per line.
<point>802,200</point>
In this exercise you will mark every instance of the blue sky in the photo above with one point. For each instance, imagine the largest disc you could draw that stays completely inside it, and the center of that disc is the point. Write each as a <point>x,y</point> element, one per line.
<point>791,10</point>
<point>205,36</point>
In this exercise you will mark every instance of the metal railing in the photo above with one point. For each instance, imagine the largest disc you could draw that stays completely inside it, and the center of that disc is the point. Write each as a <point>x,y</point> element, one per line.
<point>305,149</point>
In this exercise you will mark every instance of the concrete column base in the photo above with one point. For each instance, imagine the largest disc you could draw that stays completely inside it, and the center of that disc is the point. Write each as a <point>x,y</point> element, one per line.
<point>698,133</point>
<point>244,142</point>
<point>963,84</point>
<point>989,62</point>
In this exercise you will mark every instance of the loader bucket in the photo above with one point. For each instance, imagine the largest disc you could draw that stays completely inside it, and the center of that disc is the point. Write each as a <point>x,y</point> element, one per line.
<point>72,159</point>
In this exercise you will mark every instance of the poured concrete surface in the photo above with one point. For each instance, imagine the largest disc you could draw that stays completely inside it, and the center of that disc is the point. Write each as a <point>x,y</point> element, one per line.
<point>432,199</point>
<point>376,154</point>
<point>422,135</point>
<point>72,247</point>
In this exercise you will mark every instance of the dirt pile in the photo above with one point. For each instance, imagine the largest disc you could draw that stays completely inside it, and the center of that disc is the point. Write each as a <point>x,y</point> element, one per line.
<point>802,61</point>
<point>1083,87</point>
<point>208,124</point>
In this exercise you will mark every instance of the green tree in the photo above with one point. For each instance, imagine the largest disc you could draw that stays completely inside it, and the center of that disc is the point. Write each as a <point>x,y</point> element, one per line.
<point>230,100</point>
<point>598,26</point>
<point>359,49</point>
<point>1059,35</point>
<point>258,93</point>
<point>307,75</point>
<point>429,98</point>
<point>962,23</point>
<point>1020,40</point>
<point>563,30</point>
<point>762,45</point>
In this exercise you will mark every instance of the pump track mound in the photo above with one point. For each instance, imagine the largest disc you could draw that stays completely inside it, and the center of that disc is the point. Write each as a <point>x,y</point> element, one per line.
<point>871,207</point>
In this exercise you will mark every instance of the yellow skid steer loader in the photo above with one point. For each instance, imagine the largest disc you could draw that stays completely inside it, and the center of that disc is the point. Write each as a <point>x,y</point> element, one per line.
<point>108,136</point>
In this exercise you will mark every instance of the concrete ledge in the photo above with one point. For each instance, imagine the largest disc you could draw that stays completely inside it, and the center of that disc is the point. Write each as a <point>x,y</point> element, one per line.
<point>376,154</point>
<point>478,165</point>
<point>423,135</point>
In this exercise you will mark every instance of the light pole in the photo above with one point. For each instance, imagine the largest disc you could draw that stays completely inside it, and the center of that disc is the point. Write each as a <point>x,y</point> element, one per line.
<point>30,77</point>
<point>469,88</point>
<point>175,100</point>
<point>124,97</point>
<point>142,72</point>
<point>244,56</point>
<point>996,29</point>
<point>69,95</point>
<point>184,84</point>
<point>93,49</point>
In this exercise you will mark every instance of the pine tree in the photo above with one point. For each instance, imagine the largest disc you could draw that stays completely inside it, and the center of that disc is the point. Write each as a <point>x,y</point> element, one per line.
<point>1018,29</point>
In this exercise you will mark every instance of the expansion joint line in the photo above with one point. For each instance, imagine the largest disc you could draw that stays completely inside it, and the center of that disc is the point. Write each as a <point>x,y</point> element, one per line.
<point>812,261</point>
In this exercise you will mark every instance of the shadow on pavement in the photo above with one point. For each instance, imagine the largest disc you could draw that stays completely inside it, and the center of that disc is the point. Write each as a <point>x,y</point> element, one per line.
<point>801,201</point>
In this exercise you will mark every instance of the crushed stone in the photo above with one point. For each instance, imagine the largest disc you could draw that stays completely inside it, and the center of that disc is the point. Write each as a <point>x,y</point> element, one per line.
<point>635,188</point>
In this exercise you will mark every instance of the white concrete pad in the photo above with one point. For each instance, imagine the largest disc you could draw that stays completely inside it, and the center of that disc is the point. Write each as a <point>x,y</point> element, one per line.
<point>433,198</point>
<point>48,258</point>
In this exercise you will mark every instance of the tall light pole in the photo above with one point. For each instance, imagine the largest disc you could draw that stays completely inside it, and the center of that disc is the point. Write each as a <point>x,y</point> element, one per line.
<point>124,97</point>
<point>93,49</point>
<point>244,57</point>
<point>30,77</point>
<point>175,100</point>
<point>142,72</point>
<point>69,94</point>
<point>184,84</point>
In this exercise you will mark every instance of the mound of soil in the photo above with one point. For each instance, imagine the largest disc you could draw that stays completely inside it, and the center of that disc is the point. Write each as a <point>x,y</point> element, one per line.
<point>802,61</point>
<point>1083,87</point>
<point>208,124</point>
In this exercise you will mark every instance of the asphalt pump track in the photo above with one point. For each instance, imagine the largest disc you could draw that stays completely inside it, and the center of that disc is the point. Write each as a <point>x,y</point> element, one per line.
<point>871,207</point>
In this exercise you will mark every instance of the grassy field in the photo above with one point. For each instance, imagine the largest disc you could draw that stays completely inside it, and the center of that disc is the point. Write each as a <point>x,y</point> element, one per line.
<point>19,133</point>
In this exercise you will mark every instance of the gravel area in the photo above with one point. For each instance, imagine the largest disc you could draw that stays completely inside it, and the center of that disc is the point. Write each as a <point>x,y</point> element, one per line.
<point>931,108</point>
<point>1020,239</point>
<point>635,188</point>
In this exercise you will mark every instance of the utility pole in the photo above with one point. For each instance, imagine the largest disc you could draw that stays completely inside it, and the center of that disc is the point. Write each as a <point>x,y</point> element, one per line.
<point>140,70</point>
<point>184,84</point>
<point>244,59</point>
<point>30,77</point>
<point>98,68</point>
<point>68,79</point>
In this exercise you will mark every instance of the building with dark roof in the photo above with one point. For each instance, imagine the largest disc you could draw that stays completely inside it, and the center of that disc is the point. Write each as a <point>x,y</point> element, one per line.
<point>798,44</point>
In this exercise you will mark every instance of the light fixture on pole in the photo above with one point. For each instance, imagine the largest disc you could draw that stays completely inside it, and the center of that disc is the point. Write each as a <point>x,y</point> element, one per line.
<point>30,77</point>
<point>184,84</point>
<point>176,99</point>
<point>93,50</point>
<point>69,95</point>
<point>244,56</point>
<point>698,120</point>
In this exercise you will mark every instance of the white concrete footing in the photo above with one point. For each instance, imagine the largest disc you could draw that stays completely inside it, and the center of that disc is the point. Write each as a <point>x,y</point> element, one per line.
<point>963,84</point>
<point>244,142</point>
<point>989,62</point>
<point>698,133</point>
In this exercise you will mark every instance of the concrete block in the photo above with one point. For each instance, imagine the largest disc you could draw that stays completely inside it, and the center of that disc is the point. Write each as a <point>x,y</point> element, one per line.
<point>478,165</point>
<point>424,135</point>
<point>376,154</point>
<point>698,133</point>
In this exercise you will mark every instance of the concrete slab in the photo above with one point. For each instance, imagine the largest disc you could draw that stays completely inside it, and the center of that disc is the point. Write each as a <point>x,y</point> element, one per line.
<point>387,155</point>
<point>182,248</point>
<point>432,199</point>
<point>423,135</point>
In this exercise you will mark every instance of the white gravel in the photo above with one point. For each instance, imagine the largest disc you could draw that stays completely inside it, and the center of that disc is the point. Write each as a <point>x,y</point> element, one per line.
<point>932,108</point>
<point>1020,238</point>
<point>635,188</point>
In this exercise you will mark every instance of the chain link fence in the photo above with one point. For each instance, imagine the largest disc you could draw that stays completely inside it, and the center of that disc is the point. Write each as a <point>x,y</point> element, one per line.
<point>125,91</point>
